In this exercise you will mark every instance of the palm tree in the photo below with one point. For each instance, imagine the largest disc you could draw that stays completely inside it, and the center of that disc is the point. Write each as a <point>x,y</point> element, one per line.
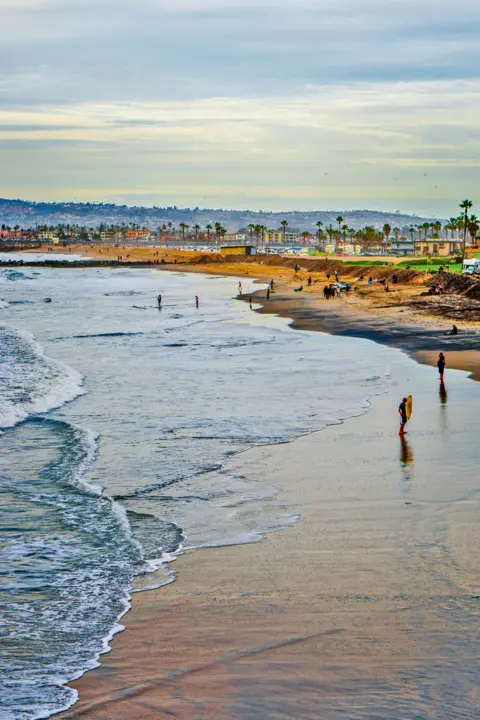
<point>319,225</point>
<point>196,228</point>
<point>183,227</point>
<point>473,227</point>
<point>412,233</point>
<point>466,205</point>
<point>386,231</point>
<point>453,225</point>
<point>437,228</point>
<point>209,229</point>
<point>263,230</point>
<point>428,227</point>
<point>330,232</point>
<point>339,221</point>
<point>305,235</point>
<point>284,225</point>
<point>220,231</point>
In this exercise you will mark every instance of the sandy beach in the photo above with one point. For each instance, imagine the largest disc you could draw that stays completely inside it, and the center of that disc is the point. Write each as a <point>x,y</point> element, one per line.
<point>407,303</point>
<point>366,608</point>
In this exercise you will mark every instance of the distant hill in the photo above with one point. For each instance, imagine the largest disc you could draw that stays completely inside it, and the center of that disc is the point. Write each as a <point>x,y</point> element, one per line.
<point>28,214</point>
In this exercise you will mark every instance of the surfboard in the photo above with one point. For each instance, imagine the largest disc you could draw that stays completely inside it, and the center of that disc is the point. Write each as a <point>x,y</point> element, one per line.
<point>408,407</point>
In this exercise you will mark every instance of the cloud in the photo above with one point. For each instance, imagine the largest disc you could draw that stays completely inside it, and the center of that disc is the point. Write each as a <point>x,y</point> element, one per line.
<point>217,99</point>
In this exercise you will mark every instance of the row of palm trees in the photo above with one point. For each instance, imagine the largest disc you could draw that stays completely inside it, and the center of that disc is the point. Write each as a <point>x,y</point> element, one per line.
<point>456,226</point>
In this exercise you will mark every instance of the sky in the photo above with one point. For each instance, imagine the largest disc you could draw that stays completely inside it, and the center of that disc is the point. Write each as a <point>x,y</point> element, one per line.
<point>265,104</point>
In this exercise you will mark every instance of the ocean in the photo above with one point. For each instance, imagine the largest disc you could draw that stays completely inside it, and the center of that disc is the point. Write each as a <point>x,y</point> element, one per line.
<point>116,422</point>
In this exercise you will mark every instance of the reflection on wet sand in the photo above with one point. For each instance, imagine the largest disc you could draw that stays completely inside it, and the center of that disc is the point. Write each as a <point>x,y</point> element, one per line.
<point>406,454</point>
<point>443,393</point>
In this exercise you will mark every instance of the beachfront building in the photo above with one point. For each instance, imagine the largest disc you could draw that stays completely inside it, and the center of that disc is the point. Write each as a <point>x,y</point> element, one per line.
<point>48,235</point>
<point>138,236</point>
<point>238,250</point>
<point>440,247</point>
<point>278,237</point>
<point>111,237</point>
<point>350,248</point>
<point>402,247</point>
<point>241,236</point>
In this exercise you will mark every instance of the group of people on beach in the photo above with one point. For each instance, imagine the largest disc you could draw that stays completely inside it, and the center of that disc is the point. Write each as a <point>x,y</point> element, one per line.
<point>330,291</point>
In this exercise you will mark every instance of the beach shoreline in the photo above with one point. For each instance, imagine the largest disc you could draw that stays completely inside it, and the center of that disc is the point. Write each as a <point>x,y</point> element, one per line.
<point>421,334</point>
<point>407,303</point>
<point>319,619</point>
<point>254,616</point>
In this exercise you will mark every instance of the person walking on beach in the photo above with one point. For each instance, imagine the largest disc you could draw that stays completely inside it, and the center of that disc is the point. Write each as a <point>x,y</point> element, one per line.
<point>196,301</point>
<point>239,287</point>
<point>441,365</point>
<point>268,293</point>
<point>159,302</point>
<point>326,292</point>
<point>402,411</point>
<point>250,302</point>
<point>272,284</point>
<point>309,281</point>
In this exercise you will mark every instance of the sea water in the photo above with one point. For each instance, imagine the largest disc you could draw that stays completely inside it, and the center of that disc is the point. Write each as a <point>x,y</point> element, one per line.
<point>117,420</point>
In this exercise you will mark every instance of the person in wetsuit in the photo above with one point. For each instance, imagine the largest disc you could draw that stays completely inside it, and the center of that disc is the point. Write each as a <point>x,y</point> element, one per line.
<point>441,365</point>
<point>402,411</point>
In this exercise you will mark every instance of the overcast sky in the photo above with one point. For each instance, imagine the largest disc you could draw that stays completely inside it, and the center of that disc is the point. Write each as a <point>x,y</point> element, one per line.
<point>275,104</point>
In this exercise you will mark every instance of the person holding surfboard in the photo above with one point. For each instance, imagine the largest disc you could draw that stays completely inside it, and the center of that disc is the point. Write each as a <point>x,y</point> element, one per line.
<point>405,412</point>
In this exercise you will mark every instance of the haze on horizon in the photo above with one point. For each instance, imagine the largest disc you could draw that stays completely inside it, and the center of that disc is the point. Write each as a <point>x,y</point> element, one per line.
<point>274,104</point>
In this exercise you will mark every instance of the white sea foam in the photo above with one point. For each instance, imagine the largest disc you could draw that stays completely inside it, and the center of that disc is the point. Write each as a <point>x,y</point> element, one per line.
<point>30,382</point>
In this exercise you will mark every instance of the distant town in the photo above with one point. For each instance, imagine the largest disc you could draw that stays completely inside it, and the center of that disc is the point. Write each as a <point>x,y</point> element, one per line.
<point>350,232</point>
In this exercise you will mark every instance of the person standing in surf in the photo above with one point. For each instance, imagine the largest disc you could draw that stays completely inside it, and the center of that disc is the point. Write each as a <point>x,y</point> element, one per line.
<point>441,365</point>
<point>402,411</point>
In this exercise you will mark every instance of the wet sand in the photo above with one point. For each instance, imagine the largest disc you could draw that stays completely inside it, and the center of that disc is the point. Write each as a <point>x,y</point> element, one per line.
<point>421,340</point>
<point>467,360</point>
<point>367,608</point>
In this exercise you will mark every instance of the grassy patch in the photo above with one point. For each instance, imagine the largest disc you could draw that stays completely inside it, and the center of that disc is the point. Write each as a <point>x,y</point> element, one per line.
<point>433,265</point>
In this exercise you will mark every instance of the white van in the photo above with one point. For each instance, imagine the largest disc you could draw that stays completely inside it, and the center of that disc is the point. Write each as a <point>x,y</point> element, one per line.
<point>471,267</point>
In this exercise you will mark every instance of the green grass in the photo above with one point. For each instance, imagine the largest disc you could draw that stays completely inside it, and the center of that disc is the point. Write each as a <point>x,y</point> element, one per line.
<point>364,263</point>
<point>419,264</point>
<point>425,265</point>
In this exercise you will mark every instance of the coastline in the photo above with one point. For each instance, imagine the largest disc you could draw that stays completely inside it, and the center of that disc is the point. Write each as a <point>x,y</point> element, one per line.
<point>398,323</point>
<point>408,303</point>
<point>243,623</point>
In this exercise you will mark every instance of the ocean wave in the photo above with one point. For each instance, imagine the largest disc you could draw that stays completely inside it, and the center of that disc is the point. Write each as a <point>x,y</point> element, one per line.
<point>87,336</point>
<point>31,383</point>
<point>124,293</point>
<point>67,589</point>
